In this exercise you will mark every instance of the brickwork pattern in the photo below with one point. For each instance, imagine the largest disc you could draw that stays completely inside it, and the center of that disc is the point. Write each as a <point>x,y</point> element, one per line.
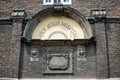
<point>101,51</point>
<point>34,6</point>
<point>95,62</point>
<point>15,48</point>
<point>114,49</point>
<point>82,68</point>
<point>5,37</point>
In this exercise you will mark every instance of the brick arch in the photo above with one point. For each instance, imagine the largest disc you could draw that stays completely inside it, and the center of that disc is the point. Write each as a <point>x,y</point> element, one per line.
<point>58,11</point>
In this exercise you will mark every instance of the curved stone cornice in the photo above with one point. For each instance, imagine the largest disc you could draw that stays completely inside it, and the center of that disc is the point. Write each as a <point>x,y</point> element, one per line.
<point>58,11</point>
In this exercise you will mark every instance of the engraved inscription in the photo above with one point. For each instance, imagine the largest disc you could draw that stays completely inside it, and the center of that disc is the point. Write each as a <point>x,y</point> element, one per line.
<point>59,24</point>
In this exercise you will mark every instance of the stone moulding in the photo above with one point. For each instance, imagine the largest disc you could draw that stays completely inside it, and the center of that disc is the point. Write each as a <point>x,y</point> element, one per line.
<point>65,11</point>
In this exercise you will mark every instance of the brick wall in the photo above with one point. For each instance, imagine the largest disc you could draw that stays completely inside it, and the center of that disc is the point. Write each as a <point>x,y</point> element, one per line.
<point>96,54</point>
<point>34,6</point>
<point>101,50</point>
<point>83,68</point>
<point>5,37</point>
<point>114,49</point>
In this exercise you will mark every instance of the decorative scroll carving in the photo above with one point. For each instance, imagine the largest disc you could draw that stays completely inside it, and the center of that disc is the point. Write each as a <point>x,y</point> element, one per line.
<point>81,53</point>
<point>34,53</point>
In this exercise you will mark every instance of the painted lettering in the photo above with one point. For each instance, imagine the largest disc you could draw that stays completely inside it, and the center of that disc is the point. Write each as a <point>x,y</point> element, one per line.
<point>56,24</point>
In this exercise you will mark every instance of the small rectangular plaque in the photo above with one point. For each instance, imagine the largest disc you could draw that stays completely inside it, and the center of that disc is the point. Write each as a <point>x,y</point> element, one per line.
<point>59,64</point>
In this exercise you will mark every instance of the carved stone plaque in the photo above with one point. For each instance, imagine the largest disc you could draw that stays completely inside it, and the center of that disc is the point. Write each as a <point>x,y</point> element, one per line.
<point>59,62</point>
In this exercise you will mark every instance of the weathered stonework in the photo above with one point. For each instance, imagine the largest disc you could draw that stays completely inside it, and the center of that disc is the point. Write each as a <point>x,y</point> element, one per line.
<point>101,50</point>
<point>101,58</point>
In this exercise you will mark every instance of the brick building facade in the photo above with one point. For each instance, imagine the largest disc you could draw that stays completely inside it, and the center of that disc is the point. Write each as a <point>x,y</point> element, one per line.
<point>99,55</point>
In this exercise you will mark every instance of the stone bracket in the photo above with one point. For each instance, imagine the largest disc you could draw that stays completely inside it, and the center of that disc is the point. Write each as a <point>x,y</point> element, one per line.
<point>58,9</point>
<point>99,15</point>
<point>18,14</point>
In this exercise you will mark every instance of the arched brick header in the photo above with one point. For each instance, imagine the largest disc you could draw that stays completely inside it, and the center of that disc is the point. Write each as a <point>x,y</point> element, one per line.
<point>58,11</point>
